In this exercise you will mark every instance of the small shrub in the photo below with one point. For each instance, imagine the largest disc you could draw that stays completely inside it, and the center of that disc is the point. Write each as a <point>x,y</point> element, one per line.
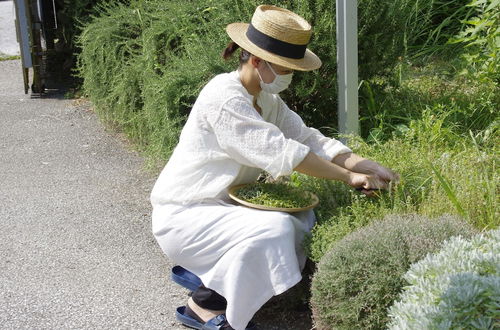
<point>361,276</point>
<point>457,288</point>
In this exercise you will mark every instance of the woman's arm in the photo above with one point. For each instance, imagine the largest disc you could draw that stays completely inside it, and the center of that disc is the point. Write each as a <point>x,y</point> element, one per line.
<point>356,163</point>
<point>316,166</point>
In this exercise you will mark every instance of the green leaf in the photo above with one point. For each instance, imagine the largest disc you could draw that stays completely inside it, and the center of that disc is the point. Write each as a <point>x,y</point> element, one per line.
<point>448,190</point>
<point>493,4</point>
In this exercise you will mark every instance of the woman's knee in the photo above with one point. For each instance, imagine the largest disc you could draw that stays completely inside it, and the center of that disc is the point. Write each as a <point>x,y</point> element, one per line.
<point>280,225</point>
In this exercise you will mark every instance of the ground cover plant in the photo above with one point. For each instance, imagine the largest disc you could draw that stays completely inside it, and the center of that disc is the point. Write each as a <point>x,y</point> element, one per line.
<point>4,57</point>
<point>461,182</point>
<point>359,278</point>
<point>457,287</point>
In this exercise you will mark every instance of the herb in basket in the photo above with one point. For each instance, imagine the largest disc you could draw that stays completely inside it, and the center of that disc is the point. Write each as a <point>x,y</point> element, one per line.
<point>274,195</point>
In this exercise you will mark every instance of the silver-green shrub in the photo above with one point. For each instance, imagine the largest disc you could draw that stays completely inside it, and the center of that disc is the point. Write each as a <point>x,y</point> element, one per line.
<point>361,276</point>
<point>457,288</point>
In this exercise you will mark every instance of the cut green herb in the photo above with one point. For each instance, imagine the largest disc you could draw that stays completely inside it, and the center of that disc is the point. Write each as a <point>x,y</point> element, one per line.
<point>274,195</point>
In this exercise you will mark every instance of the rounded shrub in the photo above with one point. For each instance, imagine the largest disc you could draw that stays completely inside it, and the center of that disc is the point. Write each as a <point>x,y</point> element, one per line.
<point>456,288</point>
<point>360,277</point>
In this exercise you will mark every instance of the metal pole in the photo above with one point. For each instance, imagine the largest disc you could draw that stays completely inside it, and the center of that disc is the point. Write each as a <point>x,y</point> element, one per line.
<point>23,38</point>
<point>347,65</point>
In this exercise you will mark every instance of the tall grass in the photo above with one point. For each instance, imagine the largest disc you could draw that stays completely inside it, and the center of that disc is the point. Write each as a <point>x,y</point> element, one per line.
<point>441,132</point>
<point>432,24</point>
<point>441,173</point>
<point>389,104</point>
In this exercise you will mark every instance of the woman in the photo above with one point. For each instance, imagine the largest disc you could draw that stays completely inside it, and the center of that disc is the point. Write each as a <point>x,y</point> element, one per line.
<point>238,127</point>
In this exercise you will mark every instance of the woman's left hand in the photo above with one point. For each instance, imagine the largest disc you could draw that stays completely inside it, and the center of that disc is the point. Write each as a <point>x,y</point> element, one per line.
<point>358,164</point>
<point>385,174</point>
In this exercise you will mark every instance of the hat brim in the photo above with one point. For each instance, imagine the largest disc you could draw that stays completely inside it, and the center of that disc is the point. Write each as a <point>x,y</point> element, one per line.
<point>237,32</point>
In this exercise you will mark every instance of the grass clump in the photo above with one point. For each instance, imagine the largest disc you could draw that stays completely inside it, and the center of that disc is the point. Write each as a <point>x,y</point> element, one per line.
<point>456,288</point>
<point>4,57</point>
<point>274,195</point>
<point>441,134</point>
<point>435,180</point>
<point>361,276</point>
<point>388,106</point>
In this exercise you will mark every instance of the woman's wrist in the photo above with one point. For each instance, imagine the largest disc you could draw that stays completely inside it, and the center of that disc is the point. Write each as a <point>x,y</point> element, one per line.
<point>371,167</point>
<point>346,176</point>
<point>356,163</point>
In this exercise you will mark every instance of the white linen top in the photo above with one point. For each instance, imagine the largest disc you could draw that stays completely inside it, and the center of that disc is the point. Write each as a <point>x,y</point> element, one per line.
<point>225,142</point>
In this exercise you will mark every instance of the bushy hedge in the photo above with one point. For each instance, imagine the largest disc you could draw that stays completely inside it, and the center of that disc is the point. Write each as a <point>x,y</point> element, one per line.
<point>360,277</point>
<point>456,288</point>
<point>143,64</point>
<point>71,16</point>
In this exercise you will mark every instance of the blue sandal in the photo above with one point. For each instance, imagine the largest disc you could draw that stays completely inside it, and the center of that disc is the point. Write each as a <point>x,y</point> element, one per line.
<point>185,278</point>
<point>187,317</point>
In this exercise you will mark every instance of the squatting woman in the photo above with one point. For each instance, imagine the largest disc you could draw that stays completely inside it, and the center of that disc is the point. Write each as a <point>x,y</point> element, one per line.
<point>238,127</point>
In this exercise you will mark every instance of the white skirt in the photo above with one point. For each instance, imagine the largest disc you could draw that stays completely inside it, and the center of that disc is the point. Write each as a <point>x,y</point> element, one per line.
<point>246,255</point>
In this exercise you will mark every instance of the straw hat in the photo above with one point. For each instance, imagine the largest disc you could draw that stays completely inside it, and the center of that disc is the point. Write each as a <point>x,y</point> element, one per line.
<point>278,36</point>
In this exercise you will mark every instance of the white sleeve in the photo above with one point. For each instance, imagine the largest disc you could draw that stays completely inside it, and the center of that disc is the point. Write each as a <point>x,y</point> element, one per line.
<point>294,128</point>
<point>251,141</point>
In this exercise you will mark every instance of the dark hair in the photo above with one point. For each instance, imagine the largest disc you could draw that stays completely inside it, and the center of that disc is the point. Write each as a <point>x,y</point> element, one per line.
<point>231,48</point>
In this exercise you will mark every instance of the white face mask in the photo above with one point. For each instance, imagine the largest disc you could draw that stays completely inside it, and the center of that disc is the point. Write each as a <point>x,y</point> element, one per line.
<point>279,84</point>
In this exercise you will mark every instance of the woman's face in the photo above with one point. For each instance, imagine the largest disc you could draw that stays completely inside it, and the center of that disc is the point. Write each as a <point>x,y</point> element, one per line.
<point>267,74</point>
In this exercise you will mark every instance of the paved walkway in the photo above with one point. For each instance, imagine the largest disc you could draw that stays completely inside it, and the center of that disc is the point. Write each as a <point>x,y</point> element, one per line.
<point>75,241</point>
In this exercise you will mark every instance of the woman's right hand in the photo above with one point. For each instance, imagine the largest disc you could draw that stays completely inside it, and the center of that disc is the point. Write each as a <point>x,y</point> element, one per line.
<point>366,183</point>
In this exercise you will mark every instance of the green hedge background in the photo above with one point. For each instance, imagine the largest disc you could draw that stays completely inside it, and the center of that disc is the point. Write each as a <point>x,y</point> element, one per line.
<point>162,52</point>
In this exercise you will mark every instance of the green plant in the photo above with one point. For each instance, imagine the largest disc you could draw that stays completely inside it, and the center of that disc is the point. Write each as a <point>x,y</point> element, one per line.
<point>481,37</point>
<point>144,63</point>
<point>448,190</point>
<point>274,194</point>
<point>432,24</point>
<point>4,57</point>
<point>464,182</point>
<point>72,15</point>
<point>388,106</point>
<point>456,288</point>
<point>361,276</point>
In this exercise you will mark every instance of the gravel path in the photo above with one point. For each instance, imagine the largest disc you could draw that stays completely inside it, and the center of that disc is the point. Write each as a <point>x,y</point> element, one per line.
<point>75,240</point>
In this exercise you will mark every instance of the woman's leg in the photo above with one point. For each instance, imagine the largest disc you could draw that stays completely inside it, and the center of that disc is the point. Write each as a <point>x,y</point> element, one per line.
<point>205,304</point>
<point>209,299</point>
